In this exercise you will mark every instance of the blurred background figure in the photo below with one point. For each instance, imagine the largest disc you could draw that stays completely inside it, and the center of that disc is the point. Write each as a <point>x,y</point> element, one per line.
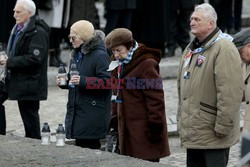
<point>63,14</point>
<point>118,14</point>
<point>222,8</point>
<point>55,19</point>
<point>149,25</point>
<point>179,16</point>
<point>234,16</point>
<point>3,92</point>
<point>6,20</point>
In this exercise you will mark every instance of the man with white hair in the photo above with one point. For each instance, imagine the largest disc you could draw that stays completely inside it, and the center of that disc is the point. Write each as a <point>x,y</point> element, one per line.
<point>210,88</point>
<point>26,64</point>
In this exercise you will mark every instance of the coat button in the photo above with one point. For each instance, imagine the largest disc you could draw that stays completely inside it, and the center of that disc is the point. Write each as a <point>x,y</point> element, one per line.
<point>247,102</point>
<point>93,103</point>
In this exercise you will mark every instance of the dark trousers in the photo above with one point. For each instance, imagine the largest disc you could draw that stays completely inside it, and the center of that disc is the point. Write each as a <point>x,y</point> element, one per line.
<point>29,113</point>
<point>3,97</point>
<point>88,143</point>
<point>221,7</point>
<point>207,157</point>
<point>118,19</point>
<point>179,28</point>
<point>234,15</point>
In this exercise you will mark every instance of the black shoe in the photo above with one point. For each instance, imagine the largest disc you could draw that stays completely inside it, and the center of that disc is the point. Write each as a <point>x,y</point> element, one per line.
<point>171,51</point>
<point>53,61</point>
<point>58,57</point>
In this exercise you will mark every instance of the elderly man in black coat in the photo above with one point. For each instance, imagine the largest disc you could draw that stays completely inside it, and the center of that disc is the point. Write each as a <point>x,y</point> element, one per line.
<point>26,64</point>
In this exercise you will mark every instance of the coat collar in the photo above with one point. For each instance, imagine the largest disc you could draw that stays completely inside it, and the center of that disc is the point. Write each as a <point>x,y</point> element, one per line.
<point>93,42</point>
<point>141,54</point>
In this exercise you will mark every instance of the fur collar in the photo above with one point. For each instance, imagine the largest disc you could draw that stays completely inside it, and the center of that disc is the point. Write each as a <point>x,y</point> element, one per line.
<point>92,43</point>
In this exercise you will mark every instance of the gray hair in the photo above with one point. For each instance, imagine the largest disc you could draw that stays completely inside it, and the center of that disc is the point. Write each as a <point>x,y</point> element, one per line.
<point>208,10</point>
<point>28,6</point>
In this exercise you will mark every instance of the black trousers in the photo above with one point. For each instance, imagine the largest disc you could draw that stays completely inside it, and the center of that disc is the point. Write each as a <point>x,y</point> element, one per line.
<point>207,157</point>
<point>3,98</point>
<point>234,16</point>
<point>31,121</point>
<point>221,7</point>
<point>118,19</point>
<point>179,28</point>
<point>88,143</point>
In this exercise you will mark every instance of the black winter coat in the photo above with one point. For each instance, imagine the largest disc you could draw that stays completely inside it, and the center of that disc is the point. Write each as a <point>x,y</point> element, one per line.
<point>88,110</point>
<point>27,67</point>
<point>149,21</point>
<point>183,4</point>
<point>120,4</point>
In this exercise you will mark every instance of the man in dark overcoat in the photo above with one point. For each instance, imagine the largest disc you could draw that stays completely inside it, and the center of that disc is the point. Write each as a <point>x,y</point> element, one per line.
<point>26,64</point>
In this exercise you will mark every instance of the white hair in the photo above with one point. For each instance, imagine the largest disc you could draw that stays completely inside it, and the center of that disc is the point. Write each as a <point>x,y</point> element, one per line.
<point>208,10</point>
<point>28,6</point>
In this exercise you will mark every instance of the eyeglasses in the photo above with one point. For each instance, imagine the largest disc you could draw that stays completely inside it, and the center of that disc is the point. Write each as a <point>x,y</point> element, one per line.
<point>73,38</point>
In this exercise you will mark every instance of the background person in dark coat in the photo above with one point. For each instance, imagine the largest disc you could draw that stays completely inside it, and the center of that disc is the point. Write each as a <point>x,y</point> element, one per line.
<point>149,25</point>
<point>61,17</point>
<point>3,93</point>
<point>222,7</point>
<point>119,14</point>
<point>27,64</point>
<point>88,110</point>
<point>234,16</point>
<point>179,14</point>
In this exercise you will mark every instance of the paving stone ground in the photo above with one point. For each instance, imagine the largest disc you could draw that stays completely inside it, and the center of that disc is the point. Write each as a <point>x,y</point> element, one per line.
<point>53,111</point>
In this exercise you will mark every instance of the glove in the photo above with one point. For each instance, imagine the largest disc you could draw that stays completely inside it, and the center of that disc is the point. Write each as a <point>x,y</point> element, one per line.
<point>154,136</point>
<point>154,131</point>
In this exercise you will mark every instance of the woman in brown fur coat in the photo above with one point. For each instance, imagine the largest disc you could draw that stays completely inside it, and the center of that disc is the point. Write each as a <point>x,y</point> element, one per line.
<point>138,110</point>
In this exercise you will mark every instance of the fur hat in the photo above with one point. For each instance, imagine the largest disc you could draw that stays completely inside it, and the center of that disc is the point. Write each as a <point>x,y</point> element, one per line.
<point>117,37</point>
<point>242,38</point>
<point>84,29</point>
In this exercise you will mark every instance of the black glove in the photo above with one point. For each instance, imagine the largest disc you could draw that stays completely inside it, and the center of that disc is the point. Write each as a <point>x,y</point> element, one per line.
<point>154,131</point>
